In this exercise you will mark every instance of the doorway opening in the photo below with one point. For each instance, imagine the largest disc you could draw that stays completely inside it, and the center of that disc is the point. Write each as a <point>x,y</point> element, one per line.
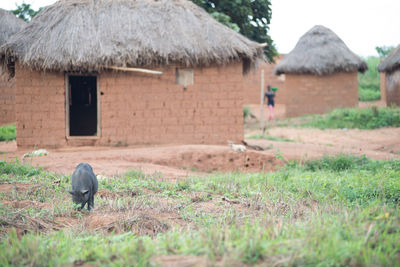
<point>82,105</point>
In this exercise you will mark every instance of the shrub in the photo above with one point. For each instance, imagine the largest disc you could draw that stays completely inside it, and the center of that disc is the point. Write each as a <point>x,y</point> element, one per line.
<point>368,94</point>
<point>368,118</point>
<point>8,132</point>
<point>246,112</point>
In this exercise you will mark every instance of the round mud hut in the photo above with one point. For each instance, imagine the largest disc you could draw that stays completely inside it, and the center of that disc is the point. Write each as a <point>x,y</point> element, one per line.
<point>320,74</point>
<point>390,78</point>
<point>127,72</point>
<point>9,25</point>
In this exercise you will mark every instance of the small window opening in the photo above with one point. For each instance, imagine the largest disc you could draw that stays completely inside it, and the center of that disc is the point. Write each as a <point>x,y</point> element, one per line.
<point>184,77</point>
<point>82,105</point>
<point>247,65</point>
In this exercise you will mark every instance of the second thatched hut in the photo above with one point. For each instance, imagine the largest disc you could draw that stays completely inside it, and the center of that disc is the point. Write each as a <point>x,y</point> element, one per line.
<point>390,78</point>
<point>320,74</point>
<point>9,25</point>
<point>80,78</point>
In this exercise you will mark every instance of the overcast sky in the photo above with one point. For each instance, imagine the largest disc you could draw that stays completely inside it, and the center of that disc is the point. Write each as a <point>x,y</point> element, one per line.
<point>361,24</point>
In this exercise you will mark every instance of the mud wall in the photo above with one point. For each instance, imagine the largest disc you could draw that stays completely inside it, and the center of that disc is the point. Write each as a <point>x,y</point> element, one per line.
<point>136,108</point>
<point>382,77</point>
<point>40,108</point>
<point>7,100</point>
<point>392,88</point>
<point>310,94</point>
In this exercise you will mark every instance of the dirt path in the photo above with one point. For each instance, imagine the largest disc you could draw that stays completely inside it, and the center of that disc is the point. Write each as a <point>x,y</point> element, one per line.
<point>379,144</point>
<point>179,161</point>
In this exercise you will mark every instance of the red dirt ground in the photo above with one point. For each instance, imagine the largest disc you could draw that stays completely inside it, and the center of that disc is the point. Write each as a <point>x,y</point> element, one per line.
<point>177,161</point>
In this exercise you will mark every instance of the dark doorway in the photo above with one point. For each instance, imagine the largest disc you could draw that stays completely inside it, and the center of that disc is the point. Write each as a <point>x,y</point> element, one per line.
<point>82,105</point>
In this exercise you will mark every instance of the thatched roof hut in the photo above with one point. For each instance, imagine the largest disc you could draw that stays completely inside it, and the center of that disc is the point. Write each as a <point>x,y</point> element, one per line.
<point>89,35</point>
<point>9,25</point>
<point>319,52</point>
<point>391,62</point>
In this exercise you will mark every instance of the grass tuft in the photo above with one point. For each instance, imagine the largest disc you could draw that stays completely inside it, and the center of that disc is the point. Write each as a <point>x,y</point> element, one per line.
<point>8,132</point>
<point>368,118</point>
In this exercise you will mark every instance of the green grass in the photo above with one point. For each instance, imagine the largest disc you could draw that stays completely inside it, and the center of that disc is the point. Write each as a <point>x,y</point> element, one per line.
<point>367,118</point>
<point>367,94</point>
<point>246,112</point>
<point>335,211</point>
<point>271,138</point>
<point>8,132</point>
<point>369,82</point>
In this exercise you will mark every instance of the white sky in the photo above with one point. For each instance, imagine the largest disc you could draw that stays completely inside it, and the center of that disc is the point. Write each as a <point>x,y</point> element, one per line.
<point>361,24</point>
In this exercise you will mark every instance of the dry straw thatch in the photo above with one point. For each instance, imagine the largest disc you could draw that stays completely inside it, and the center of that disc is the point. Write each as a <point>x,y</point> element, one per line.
<point>87,35</point>
<point>320,52</point>
<point>391,62</point>
<point>9,25</point>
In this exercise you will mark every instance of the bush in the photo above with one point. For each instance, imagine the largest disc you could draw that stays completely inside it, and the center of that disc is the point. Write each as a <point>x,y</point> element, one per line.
<point>8,132</point>
<point>370,79</point>
<point>368,94</point>
<point>246,112</point>
<point>368,118</point>
<point>343,162</point>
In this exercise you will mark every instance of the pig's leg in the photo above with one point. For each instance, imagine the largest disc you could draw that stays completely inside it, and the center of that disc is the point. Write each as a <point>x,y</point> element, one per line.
<point>91,203</point>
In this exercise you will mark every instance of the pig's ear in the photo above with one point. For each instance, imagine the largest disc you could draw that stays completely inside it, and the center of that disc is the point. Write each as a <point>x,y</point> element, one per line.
<point>84,191</point>
<point>71,192</point>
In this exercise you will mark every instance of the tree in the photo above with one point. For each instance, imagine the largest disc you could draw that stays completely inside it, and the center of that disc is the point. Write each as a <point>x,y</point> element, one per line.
<point>249,17</point>
<point>383,51</point>
<point>25,12</point>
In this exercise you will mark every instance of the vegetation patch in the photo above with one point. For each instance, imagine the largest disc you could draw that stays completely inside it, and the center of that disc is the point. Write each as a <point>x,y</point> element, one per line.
<point>271,138</point>
<point>340,210</point>
<point>367,118</point>
<point>369,81</point>
<point>8,132</point>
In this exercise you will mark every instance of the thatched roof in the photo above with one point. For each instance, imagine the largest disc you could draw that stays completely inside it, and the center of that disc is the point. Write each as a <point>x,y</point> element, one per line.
<point>91,34</point>
<point>9,25</point>
<point>391,62</point>
<point>319,52</point>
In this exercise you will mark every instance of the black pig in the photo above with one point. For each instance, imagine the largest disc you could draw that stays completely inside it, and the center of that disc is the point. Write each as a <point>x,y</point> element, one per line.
<point>84,186</point>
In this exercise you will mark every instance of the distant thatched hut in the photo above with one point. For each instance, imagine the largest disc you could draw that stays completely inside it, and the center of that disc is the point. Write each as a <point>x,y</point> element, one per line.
<point>70,93</point>
<point>390,78</point>
<point>9,25</point>
<point>320,74</point>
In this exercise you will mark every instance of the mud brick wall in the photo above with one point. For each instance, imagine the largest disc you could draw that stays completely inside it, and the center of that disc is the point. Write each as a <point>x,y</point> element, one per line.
<point>392,85</point>
<point>310,94</point>
<point>148,109</point>
<point>252,83</point>
<point>40,108</point>
<point>382,77</point>
<point>136,108</point>
<point>7,100</point>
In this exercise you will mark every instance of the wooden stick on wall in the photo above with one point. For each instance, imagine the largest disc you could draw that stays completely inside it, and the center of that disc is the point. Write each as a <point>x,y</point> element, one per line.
<point>262,104</point>
<point>134,70</point>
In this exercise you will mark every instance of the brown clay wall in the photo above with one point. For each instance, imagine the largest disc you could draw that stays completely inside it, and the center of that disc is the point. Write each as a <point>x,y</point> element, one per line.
<point>252,83</point>
<point>7,100</point>
<point>309,94</point>
<point>392,82</point>
<point>136,108</point>
<point>147,109</point>
<point>382,77</point>
<point>40,108</point>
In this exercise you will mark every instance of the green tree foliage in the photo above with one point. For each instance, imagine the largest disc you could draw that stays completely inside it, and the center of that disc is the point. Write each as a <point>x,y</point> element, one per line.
<point>369,81</point>
<point>250,17</point>
<point>383,51</point>
<point>25,12</point>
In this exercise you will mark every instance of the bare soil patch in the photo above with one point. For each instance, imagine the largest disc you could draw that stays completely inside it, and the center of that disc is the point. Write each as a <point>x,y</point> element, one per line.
<point>19,187</point>
<point>172,162</point>
<point>26,204</point>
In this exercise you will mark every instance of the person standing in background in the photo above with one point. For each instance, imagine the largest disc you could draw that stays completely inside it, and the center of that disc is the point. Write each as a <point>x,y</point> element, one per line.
<point>271,103</point>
